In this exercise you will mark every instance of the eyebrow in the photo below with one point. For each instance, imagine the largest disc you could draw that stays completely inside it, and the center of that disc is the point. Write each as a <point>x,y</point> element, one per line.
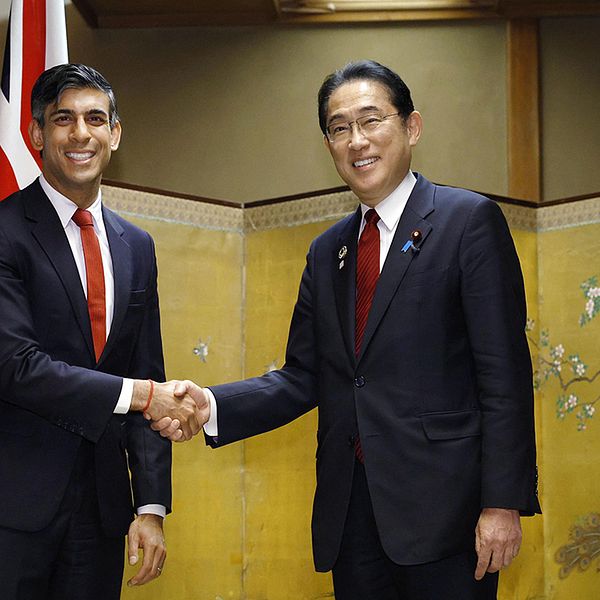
<point>362,110</point>
<point>67,111</point>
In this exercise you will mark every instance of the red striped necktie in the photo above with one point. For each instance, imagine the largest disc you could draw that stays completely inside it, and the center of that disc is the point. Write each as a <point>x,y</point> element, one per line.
<point>96,295</point>
<point>367,273</point>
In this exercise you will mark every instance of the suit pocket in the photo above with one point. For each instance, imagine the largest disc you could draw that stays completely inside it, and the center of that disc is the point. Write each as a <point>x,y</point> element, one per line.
<point>451,425</point>
<point>137,297</point>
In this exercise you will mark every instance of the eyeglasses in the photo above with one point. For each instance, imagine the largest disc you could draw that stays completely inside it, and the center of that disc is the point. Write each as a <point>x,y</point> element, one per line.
<point>367,125</point>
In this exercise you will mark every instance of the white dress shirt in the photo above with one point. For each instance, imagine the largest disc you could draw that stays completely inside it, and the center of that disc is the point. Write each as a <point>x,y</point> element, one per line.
<point>65,210</point>
<point>390,210</point>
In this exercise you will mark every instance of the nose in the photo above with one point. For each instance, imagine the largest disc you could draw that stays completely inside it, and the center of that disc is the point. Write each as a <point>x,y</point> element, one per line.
<point>357,138</point>
<point>80,131</point>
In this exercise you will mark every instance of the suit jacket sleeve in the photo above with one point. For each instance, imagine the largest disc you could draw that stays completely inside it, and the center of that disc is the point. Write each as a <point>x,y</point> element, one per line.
<point>78,399</point>
<point>493,298</point>
<point>148,454</point>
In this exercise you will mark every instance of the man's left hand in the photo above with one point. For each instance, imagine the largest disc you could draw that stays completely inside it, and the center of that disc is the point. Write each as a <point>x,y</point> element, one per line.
<point>146,532</point>
<point>497,539</point>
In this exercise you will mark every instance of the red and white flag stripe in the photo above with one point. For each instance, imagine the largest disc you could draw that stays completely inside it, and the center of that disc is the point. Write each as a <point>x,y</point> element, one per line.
<point>36,40</point>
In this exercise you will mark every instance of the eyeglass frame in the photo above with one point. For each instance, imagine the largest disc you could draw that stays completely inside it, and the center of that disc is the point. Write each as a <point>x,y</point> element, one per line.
<point>359,127</point>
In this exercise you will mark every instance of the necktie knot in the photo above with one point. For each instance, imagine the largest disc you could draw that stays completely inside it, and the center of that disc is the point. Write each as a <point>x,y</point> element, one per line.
<point>83,218</point>
<point>371,217</point>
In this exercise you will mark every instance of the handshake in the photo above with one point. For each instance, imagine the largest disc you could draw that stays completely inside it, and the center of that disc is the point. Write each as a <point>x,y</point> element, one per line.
<point>177,409</point>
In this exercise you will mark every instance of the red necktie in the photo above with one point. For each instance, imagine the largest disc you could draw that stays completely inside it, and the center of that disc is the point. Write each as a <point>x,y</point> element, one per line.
<point>367,273</point>
<point>96,295</point>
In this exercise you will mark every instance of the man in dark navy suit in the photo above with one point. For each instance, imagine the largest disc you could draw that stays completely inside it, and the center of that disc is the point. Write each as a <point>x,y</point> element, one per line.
<point>408,336</point>
<point>79,341</point>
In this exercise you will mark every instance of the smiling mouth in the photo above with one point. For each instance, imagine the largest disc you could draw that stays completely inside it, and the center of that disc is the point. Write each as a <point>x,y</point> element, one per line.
<point>365,162</point>
<point>79,156</point>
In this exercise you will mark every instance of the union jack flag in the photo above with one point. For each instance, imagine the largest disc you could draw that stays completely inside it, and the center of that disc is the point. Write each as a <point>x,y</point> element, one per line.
<point>36,40</point>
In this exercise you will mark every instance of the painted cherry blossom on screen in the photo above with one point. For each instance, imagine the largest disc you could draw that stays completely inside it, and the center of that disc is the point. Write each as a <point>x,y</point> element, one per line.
<point>572,371</point>
<point>591,291</point>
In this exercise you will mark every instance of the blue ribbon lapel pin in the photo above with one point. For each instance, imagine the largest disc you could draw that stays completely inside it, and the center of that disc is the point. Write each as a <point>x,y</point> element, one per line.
<point>414,242</point>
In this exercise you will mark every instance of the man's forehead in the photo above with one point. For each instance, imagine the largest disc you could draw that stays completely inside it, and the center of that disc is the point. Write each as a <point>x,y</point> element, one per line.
<point>84,99</point>
<point>361,95</point>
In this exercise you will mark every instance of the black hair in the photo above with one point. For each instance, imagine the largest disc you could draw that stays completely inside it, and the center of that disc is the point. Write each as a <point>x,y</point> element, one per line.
<point>52,83</point>
<point>365,69</point>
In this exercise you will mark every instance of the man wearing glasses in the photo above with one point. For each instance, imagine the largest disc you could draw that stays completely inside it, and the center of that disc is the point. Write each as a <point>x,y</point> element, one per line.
<point>408,335</point>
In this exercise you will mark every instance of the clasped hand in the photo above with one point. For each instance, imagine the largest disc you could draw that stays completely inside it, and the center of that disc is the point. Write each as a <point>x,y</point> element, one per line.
<point>178,410</point>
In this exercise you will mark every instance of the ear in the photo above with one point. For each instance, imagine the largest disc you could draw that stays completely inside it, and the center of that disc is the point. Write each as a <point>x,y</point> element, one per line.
<point>327,143</point>
<point>414,127</point>
<point>115,136</point>
<point>36,135</point>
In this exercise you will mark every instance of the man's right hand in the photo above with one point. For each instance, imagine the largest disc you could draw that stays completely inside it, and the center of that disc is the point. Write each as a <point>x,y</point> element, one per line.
<point>170,405</point>
<point>169,426</point>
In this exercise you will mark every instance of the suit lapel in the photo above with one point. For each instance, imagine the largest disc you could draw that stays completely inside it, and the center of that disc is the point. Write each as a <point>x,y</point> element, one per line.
<point>122,271</point>
<point>419,205</point>
<point>47,229</point>
<point>344,279</point>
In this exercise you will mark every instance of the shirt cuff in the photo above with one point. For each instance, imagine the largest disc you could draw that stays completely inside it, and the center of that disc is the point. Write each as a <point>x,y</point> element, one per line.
<point>125,397</point>
<point>152,509</point>
<point>211,427</point>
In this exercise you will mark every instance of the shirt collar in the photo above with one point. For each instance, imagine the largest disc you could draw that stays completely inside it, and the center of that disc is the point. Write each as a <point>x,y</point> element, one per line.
<point>390,209</point>
<point>66,208</point>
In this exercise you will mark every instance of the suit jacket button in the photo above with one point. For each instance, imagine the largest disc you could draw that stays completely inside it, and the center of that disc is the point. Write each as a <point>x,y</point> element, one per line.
<point>351,441</point>
<point>359,381</point>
